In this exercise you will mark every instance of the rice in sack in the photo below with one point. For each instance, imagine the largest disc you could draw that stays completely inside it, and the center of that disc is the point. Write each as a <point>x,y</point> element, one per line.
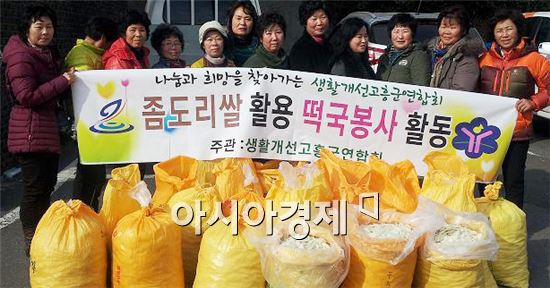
<point>147,247</point>
<point>383,252</point>
<point>190,241</point>
<point>69,247</point>
<point>456,254</point>
<point>318,260</point>
<point>227,260</point>
<point>173,175</point>
<point>299,184</point>
<point>509,224</point>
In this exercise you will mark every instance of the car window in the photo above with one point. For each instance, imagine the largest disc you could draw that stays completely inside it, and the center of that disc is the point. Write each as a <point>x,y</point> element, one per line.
<point>532,24</point>
<point>426,30</point>
<point>544,31</point>
<point>180,12</point>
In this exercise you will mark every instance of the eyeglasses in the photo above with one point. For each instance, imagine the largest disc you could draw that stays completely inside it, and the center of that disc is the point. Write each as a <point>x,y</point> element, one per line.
<point>172,44</point>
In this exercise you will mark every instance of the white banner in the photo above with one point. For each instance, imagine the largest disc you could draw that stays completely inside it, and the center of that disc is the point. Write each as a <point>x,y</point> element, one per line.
<point>125,116</point>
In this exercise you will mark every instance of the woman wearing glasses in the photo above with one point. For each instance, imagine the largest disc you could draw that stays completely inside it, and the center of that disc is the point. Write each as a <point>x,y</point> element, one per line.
<point>168,42</point>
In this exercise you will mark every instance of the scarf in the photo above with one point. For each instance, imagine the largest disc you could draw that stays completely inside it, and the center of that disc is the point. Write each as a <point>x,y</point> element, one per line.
<point>215,62</point>
<point>394,54</point>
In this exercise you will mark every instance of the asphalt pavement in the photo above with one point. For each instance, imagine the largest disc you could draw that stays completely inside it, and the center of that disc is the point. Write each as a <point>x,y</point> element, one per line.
<point>14,264</point>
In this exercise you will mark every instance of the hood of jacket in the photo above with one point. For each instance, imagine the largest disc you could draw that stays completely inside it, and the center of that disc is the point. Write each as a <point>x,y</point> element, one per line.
<point>522,49</point>
<point>467,46</point>
<point>16,47</point>
<point>121,50</point>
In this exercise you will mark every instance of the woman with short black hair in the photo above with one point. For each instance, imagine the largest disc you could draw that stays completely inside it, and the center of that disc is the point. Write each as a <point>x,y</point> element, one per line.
<point>454,53</point>
<point>512,68</point>
<point>129,51</point>
<point>241,37</point>
<point>271,30</point>
<point>404,61</point>
<point>312,51</point>
<point>167,40</point>
<point>350,43</point>
<point>35,83</point>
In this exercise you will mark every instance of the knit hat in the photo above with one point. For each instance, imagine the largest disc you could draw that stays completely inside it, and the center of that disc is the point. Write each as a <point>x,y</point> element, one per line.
<point>209,26</point>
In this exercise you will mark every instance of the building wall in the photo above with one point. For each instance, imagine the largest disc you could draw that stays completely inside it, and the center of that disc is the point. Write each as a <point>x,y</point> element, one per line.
<point>71,19</point>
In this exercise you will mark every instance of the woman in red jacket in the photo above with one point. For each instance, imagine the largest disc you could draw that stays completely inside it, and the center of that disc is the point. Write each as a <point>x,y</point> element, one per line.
<point>36,82</point>
<point>129,51</point>
<point>512,69</point>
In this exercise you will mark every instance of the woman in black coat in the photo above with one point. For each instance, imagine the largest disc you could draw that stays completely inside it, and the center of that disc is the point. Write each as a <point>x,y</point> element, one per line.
<point>312,51</point>
<point>350,43</point>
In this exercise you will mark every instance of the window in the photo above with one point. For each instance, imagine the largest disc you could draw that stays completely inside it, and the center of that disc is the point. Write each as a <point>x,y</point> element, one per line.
<point>532,24</point>
<point>544,31</point>
<point>180,11</point>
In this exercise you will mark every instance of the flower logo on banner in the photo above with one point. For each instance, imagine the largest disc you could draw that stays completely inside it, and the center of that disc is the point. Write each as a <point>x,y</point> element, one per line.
<point>476,137</point>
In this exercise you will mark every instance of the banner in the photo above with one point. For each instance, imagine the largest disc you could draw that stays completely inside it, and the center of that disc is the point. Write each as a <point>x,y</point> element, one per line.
<point>126,116</point>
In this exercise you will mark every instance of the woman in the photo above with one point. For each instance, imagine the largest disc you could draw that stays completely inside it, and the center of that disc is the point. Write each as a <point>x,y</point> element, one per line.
<point>242,41</point>
<point>312,51</point>
<point>350,43</point>
<point>86,55</point>
<point>212,37</point>
<point>404,61</point>
<point>271,31</point>
<point>168,42</point>
<point>512,69</point>
<point>35,82</point>
<point>454,54</point>
<point>129,51</point>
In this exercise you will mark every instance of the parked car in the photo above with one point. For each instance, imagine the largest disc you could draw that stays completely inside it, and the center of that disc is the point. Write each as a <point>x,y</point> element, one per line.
<point>379,39</point>
<point>538,27</point>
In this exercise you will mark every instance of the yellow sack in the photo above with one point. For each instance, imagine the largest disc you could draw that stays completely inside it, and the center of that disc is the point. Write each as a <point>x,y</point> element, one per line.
<point>509,224</point>
<point>173,175</point>
<point>117,202</point>
<point>268,173</point>
<point>205,174</point>
<point>459,265</point>
<point>298,184</point>
<point>378,260</point>
<point>366,272</point>
<point>347,178</point>
<point>226,260</point>
<point>398,186</point>
<point>449,182</point>
<point>191,242</point>
<point>69,248</point>
<point>288,263</point>
<point>233,175</point>
<point>147,247</point>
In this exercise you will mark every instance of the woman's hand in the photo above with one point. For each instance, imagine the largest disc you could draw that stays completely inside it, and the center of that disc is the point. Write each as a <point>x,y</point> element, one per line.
<point>70,76</point>
<point>525,105</point>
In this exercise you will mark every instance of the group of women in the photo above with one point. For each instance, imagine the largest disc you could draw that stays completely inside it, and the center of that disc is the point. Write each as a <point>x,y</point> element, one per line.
<point>452,60</point>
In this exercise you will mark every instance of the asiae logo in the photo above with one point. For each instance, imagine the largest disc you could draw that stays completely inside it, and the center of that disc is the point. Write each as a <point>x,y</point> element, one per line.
<point>476,137</point>
<point>107,125</point>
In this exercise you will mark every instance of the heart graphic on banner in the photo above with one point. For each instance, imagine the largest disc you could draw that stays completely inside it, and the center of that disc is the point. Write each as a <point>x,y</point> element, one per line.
<point>487,166</point>
<point>410,107</point>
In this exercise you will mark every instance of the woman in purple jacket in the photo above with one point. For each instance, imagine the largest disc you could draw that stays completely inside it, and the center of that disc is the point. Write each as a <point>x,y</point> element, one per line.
<point>35,82</point>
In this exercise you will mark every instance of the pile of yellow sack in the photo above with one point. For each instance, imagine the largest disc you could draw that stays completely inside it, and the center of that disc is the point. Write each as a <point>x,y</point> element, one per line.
<point>135,242</point>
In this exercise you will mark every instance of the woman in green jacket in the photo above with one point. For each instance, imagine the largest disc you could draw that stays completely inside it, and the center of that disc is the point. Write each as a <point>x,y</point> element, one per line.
<point>271,30</point>
<point>404,61</point>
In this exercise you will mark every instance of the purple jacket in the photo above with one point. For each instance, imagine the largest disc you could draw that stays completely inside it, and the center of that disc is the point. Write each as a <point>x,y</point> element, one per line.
<point>36,83</point>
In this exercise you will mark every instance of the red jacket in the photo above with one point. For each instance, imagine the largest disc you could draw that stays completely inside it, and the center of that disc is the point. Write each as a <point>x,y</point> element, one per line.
<point>515,75</point>
<point>36,83</point>
<point>119,56</point>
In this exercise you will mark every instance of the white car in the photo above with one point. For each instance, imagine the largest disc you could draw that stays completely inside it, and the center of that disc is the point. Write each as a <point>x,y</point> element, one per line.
<point>538,26</point>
